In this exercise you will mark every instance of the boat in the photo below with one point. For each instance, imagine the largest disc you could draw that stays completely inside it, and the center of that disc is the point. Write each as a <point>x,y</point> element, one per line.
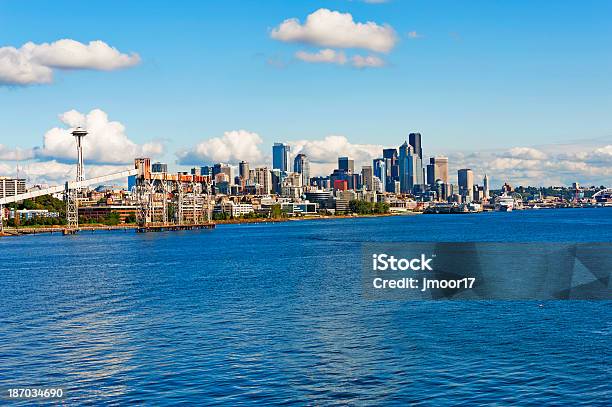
<point>504,203</point>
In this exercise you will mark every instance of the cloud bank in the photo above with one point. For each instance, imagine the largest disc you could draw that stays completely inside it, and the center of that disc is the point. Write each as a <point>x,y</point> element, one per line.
<point>232,147</point>
<point>106,142</point>
<point>559,164</point>
<point>35,63</point>
<point>328,28</point>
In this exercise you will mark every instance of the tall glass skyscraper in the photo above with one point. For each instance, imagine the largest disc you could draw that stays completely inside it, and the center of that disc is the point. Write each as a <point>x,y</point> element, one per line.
<point>414,139</point>
<point>380,171</point>
<point>407,169</point>
<point>390,157</point>
<point>301,165</point>
<point>346,164</point>
<point>243,170</point>
<point>465,178</point>
<point>280,156</point>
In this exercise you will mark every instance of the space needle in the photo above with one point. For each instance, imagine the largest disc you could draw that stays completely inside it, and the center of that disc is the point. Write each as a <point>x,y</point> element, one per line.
<point>78,134</point>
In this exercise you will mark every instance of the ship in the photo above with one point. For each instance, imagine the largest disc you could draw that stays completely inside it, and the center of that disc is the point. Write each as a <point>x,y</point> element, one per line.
<point>504,203</point>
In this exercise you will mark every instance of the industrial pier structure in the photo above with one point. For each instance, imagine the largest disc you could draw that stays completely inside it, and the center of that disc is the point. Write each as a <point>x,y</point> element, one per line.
<point>165,201</point>
<point>171,201</point>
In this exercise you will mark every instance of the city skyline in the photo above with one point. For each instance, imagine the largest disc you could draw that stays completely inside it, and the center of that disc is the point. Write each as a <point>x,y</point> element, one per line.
<point>505,101</point>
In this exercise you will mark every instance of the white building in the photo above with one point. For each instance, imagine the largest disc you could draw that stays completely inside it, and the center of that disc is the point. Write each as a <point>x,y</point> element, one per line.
<point>234,209</point>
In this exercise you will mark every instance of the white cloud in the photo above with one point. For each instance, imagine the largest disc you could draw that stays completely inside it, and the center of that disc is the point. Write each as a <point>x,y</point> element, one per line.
<point>526,153</point>
<point>328,56</point>
<point>34,63</point>
<point>15,154</point>
<point>323,154</point>
<point>328,28</point>
<point>106,142</point>
<point>370,61</point>
<point>545,165</point>
<point>232,147</point>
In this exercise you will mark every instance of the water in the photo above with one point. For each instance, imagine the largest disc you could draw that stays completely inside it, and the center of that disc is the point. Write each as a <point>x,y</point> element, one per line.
<point>272,313</point>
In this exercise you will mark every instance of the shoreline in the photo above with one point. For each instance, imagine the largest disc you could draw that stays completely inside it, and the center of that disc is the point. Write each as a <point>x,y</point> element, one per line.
<point>33,230</point>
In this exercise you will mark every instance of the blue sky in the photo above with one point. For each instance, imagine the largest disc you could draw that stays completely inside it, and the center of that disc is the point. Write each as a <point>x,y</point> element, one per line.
<point>480,75</point>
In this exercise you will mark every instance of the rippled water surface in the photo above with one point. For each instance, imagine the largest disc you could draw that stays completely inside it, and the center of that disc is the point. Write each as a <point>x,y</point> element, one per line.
<point>273,313</point>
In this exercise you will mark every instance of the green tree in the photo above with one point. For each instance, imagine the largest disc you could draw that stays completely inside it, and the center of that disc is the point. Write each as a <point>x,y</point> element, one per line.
<point>112,219</point>
<point>276,212</point>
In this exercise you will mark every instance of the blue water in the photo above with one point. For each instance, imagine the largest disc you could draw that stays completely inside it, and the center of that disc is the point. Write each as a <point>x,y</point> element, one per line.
<point>273,314</point>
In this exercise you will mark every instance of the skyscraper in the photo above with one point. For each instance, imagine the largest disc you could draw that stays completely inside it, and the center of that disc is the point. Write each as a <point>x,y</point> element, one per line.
<point>367,177</point>
<point>392,174</point>
<point>380,171</point>
<point>437,169</point>
<point>243,170</point>
<point>263,178</point>
<point>465,178</point>
<point>301,165</point>
<point>414,139</point>
<point>431,174</point>
<point>280,156</point>
<point>346,164</point>
<point>407,168</point>
<point>223,168</point>
<point>485,186</point>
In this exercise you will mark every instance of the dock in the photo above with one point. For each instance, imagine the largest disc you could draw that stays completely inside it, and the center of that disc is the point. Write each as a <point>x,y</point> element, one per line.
<point>139,229</point>
<point>173,227</point>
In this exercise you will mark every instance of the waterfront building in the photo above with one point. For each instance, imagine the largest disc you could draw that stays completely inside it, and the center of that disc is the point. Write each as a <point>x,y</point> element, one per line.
<point>465,178</point>
<point>101,212</point>
<point>346,164</point>
<point>343,199</point>
<point>234,209</point>
<point>300,208</point>
<point>159,167</point>
<point>367,177</point>
<point>280,156</point>
<point>11,186</point>
<point>322,197</point>
<point>32,213</point>
<point>301,165</point>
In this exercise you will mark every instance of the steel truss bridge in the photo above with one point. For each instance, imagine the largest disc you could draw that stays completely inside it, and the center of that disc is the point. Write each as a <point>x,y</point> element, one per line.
<point>164,201</point>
